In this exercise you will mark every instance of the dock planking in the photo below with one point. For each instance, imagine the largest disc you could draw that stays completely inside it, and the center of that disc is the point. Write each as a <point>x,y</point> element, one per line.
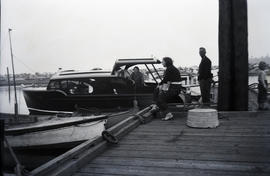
<point>239,146</point>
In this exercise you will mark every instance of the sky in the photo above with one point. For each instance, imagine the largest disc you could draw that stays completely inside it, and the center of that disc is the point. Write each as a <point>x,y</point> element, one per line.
<point>84,34</point>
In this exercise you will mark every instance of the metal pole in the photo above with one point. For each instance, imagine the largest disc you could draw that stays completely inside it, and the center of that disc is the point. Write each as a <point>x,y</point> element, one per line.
<point>14,82</point>
<point>8,84</point>
<point>151,73</point>
<point>156,71</point>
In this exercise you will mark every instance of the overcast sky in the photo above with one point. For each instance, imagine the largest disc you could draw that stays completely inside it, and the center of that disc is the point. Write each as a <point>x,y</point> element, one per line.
<point>83,34</point>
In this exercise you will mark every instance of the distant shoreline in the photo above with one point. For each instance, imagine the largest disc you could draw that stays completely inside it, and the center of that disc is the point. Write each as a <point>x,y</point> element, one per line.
<point>40,82</point>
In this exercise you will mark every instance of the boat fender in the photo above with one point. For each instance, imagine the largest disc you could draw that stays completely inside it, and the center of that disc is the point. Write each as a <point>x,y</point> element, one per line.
<point>142,120</point>
<point>109,137</point>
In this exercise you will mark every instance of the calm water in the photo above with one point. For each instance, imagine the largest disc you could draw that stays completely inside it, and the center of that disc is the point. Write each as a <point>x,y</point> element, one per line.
<point>7,103</point>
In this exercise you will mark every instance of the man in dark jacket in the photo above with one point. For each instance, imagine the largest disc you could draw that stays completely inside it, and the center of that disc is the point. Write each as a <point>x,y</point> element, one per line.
<point>205,77</point>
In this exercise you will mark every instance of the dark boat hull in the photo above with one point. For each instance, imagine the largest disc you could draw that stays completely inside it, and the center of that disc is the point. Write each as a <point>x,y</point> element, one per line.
<point>43,101</point>
<point>48,102</point>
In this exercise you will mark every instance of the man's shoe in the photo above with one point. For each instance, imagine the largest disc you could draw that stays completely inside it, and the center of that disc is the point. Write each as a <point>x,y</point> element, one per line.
<point>169,116</point>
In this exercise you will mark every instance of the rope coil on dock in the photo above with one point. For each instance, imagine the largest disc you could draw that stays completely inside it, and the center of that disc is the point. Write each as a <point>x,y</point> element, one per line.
<point>106,135</point>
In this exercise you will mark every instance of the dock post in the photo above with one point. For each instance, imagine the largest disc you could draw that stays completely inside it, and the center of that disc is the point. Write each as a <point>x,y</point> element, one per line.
<point>233,56</point>
<point>1,146</point>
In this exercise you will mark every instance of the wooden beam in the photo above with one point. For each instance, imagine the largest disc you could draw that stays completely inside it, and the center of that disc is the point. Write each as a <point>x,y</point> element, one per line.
<point>233,56</point>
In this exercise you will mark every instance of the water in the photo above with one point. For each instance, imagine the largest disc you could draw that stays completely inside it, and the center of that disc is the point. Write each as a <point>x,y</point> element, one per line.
<point>7,102</point>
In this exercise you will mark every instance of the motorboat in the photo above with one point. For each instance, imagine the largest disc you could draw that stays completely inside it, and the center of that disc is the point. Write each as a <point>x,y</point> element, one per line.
<point>96,89</point>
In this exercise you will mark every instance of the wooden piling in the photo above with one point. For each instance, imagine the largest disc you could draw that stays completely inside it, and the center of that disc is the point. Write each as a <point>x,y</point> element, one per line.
<point>233,56</point>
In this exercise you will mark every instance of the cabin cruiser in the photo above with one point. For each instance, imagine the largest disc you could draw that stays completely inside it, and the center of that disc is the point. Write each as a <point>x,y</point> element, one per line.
<point>95,89</point>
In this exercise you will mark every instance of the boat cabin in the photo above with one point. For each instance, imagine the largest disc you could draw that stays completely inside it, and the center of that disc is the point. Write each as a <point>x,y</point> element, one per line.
<point>96,88</point>
<point>95,82</point>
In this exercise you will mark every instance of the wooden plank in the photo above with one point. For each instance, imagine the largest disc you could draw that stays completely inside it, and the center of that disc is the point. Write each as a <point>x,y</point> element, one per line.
<point>156,171</point>
<point>195,149</point>
<point>225,118</point>
<point>199,139</point>
<point>185,164</point>
<point>189,142</point>
<point>182,141</point>
<point>223,123</point>
<point>188,156</point>
<point>244,114</point>
<point>176,136</point>
<point>220,129</point>
<point>217,134</point>
<point>177,120</point>
<point>263,129</point>
<point>217,130</point>
<point>93,174</point>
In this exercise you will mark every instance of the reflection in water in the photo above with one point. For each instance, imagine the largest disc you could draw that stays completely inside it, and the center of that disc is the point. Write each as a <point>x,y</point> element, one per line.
<point>7,104</point>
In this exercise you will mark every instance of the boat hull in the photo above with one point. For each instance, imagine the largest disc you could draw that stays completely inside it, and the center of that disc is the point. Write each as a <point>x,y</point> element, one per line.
<point>56,132</point>
<point>43,101</point>
<point>47,102</point>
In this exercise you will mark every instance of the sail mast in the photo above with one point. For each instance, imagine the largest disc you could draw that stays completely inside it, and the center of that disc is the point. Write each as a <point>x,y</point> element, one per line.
<point>14,82</point>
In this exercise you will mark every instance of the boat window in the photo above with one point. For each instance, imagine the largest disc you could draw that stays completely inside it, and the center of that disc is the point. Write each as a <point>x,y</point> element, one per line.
<point>54,85</point>
<point>122,72</point>
<point>72,84</point>
<point>84,86</point>
<point>64,84</point>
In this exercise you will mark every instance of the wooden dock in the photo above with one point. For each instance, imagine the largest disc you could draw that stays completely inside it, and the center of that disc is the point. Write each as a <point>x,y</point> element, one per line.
<point>239,146</point>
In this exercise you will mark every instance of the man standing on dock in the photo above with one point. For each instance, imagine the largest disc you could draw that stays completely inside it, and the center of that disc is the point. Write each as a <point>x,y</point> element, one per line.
<point>205,77</point>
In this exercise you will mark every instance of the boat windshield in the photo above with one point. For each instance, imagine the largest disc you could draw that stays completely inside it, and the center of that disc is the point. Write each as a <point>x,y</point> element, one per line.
<point>150,72</point>
<point>80,86</point>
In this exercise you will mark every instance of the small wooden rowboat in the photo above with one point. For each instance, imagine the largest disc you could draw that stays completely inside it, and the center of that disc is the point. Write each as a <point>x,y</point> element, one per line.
<point>56,132</point>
